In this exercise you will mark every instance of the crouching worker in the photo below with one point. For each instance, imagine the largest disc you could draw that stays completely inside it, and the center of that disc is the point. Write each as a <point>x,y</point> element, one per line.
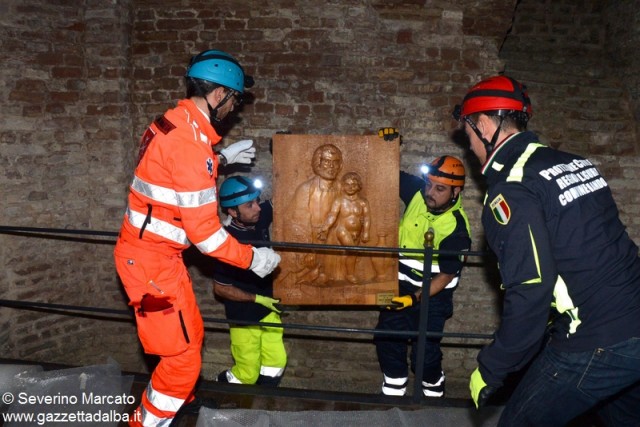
<point>258,351</point>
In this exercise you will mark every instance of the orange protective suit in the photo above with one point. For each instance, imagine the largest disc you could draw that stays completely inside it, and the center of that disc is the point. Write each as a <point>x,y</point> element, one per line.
<point>172,203</point>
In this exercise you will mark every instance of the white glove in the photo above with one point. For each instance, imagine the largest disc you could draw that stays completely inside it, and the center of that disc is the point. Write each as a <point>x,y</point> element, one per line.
<point>227,220</point>
<point>239,152</point>
<point>265,260</point>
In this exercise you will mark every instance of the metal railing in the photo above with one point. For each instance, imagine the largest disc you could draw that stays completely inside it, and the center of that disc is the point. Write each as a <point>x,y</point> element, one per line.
<point>422,333</point>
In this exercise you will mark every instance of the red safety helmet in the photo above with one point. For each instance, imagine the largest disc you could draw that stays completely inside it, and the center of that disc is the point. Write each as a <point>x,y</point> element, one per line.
<point>500,95</point>
<point>447,170</point>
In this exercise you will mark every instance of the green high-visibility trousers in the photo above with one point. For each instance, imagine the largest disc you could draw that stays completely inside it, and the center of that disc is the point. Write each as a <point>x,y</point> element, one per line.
<point>258,350</point>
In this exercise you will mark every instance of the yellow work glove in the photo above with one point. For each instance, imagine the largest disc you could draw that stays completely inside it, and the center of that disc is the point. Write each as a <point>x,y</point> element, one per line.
<point>389,134</point>
<point>402,302</point>
<point>268,302</point>
<point>480,391</point>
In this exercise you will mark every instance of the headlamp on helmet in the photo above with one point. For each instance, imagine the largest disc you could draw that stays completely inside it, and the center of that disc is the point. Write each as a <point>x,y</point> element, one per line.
<point>237,190</point>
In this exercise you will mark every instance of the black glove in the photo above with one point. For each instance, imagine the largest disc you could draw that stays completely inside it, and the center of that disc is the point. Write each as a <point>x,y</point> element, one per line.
<point>484,395</point>
<point>480,391</point>
<point>389,134</point>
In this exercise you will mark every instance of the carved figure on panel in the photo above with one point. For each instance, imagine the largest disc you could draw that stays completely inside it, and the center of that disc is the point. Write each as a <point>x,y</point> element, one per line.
<point>335,191</point>
<point>351,218</point>
<point>311,204</point>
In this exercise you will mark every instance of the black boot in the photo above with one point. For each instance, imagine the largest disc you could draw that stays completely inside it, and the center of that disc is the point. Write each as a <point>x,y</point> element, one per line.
<point>268,381</point>
<point>192,409</point>
<point>222,377</point>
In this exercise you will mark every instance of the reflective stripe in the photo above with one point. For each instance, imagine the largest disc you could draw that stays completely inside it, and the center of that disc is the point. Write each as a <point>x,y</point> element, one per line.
<point>564,304</point>
<point>394,386</point>
<point>434,390</point>
<point>162,401</point>
<point>213,242</point>
<point>196,199</point>
<point>150,420</point>
<point>232,378</point>
<point>156,226</point>
<point>155,192</point>
<point>271,371</point>
<point>429,393</point>
<point>439,382</point>
<point>412,263</point>
<point>536,258</point>
<point>517,171</point>
<point>402,276</point>
<point>452,284</point>
<point>389,391</point>
<point>418,265</point>
<point>204,139</point>
<point>186,199</point>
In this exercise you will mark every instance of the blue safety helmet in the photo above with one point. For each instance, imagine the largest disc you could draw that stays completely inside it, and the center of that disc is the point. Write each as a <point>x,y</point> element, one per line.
<point>237,190</point>
<point>219,67</point>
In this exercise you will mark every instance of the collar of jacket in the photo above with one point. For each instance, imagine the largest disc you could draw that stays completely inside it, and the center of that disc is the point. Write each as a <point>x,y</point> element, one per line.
<point>241,226</point>
<point>512,146</point>
<point>201,120</point>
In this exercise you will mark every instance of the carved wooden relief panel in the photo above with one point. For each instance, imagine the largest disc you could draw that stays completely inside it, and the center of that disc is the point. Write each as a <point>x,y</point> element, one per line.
<point>335,190</point>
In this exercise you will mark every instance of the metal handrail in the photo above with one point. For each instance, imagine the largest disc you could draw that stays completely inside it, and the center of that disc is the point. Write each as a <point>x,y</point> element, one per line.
<point>422,332</point>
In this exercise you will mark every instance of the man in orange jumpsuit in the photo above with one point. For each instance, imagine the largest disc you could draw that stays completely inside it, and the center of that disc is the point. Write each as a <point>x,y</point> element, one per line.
<point>173,204</point>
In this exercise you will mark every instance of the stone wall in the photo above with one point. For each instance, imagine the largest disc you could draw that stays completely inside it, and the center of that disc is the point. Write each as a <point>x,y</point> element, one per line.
<point>81,81</point>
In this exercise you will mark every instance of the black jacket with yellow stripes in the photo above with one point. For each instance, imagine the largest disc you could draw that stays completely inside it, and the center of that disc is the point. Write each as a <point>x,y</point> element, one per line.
<point>563,254</point>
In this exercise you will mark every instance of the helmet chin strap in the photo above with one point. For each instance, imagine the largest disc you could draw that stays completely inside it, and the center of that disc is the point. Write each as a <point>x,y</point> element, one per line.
<point>488,145</point>
<point>213,114</point>
<point>213,111</point>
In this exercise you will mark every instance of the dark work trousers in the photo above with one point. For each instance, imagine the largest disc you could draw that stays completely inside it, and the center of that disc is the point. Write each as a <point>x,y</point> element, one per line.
<point>392,350</point>
<point>562,385</point>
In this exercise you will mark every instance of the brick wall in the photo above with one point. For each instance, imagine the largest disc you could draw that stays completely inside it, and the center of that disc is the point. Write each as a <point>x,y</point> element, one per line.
<point>80,83</point>
<point>65,136</point>
<point>622,37</point>
<point>583,83</point>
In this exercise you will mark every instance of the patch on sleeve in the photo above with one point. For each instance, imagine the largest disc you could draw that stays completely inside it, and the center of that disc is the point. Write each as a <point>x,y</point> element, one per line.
<point>210,166</point>
<point>164,125</point>
<point>500,209</point>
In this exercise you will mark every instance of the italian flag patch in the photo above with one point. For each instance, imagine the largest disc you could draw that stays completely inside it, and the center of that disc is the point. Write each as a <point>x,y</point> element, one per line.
<point>500,209</point>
